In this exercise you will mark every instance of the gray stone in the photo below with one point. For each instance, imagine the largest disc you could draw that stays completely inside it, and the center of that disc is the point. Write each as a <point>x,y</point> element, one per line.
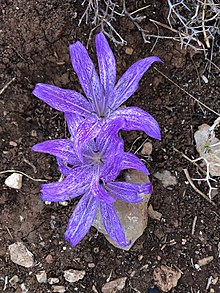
<point>73,276</point>
<point>59,289</point>
<point>133,217</point>
<point>20,255</point>
<point>114,286</point>
<point>41,277</point>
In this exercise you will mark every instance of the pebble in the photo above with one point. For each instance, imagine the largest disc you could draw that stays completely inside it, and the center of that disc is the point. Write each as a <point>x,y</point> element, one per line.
<point>129,51</point>
<point>114,286</point>
<point>60,289</point>
<point>41,277</point>
<point>147,149</point>
<point>20,255</point>
<point>49,258</point>
<point>13,281</point>
<point>166,178</point>
<point>204,261</point>
<point>14,181</point>
<point>52,281</point>
<point>73,276</point>
<point>13,143</point>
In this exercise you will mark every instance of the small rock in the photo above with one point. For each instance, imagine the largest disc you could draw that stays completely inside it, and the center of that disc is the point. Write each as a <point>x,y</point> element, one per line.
<point>208,146</point>
<point>147,149</point>
<point>41,277</point>
<point>13,281</point>
<point>154,214</point>
<point>129,51</point>
<point>23,288</point>
<point>133,219</point>
<point>63,203</point>
<point>91,265</point>
<point>33,133</point>
<point>20,255</point>
<point>60,289</point>
<point>166,178</point>
<point>13,143</point>
<point>14,181</point>
<point>94,289</point>
<point>166,278</point>
<point>114,286</point>
<point>49,258</point>
<point>73,276</point>
<point>52,281</point>
<point>204,261</point>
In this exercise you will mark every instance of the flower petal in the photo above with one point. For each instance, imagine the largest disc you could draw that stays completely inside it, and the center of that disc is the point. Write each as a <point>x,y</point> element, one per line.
<point>75,184</point>
<point>127,191</point>
<point>112,224</point>
<point>81,219</point>
<point>137,119</point>
<point>98,191</point>
<point>128,83</point>
<point>73,121</point>
<point>62,100</point>
<point>87,130</point>
<point>130,161</point>
<point>86,73</point>
<point>106,61</point>
<point>62,148</point>
<point>63,168</point>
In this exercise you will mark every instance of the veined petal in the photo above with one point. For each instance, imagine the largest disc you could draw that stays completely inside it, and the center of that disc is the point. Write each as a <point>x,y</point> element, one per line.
<point>87,130</point>
<point>62,148</point>
<point>73,121</point>
<point>128,83</point>
<point>75,184</point>
<point>86,73</point>
<point>64,169</point>
<point>137,119</point>
<point>98,191</point>
<point>81,219</point>
<point>106,61</point>
<point>112,224</point>
<point>62,100</point>
<point>130,161</point>
<point>127,191</point>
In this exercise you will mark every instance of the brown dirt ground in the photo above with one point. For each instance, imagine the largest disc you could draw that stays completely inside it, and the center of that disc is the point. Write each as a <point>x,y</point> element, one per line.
<point>34,48</point>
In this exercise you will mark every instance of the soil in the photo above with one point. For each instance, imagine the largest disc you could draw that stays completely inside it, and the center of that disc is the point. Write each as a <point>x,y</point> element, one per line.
<point>34,48</point>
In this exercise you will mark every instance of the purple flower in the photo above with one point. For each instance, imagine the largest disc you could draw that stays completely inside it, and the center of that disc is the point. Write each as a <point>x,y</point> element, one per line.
<point>103,96</point>
<point>93,178</point>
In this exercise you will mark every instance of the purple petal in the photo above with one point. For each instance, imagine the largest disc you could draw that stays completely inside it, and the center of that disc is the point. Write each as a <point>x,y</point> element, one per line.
<point>73,121</point>
<point>87,130</point>
<point>137,119</point>
<point>86,73</point>
<point>75,184</point>
<point>130,161</point>
<point>107,67</point>
<point>128,83</point>
<point>98,191</point>
<point>62,100</point>
<point>81,219</point>
<point>62,148</point>
<point>127,191</point>
<point>112,224</point>
<point>63,168</point>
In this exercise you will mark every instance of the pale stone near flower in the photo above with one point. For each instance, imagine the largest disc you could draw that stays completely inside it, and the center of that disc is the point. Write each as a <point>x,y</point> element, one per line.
<point>204,261</point>
<point>147,149</point>
<point>73,276</point>
<point>41,277</point>
<point>13,281</point>
<point>166,277</point>
<point>20,255</point>
<point>59,289</point>
<point>52,281</point>
<point>133,219</point>
<point>208,146</point>
<point>114,286</point>
<point>14,181</point>
<point>166,178</point>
